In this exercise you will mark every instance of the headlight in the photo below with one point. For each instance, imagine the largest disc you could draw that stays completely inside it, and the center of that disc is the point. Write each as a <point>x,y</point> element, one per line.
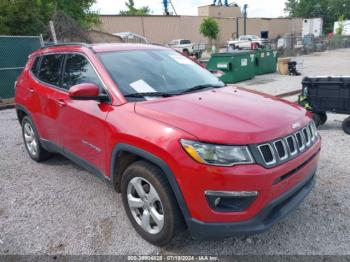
<point>217,155</point>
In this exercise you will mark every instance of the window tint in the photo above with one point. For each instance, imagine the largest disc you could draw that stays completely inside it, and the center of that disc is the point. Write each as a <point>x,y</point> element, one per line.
<point>78,70</point>
<point>50,69</point>
<point>35,66</point>
<point>185,42</point>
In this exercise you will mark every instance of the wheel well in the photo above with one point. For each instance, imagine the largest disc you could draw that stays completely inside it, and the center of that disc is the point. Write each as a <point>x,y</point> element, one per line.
<point>20,115</point>
<point>124,159</point>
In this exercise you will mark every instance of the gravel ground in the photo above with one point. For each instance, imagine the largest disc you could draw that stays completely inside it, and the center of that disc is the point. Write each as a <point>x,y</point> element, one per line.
<point>58,208</point>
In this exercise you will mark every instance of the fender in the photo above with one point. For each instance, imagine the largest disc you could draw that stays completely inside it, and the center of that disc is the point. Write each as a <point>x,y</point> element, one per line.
<point>22,108</point>
<point>156,161</point>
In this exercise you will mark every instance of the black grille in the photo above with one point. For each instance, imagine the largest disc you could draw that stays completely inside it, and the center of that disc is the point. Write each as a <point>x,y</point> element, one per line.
<point>267,153</point>
<point>291,144</point>
<point>306,136</point>
<point>300,140</point>
<point>284,149</point>
<point>281,149</point>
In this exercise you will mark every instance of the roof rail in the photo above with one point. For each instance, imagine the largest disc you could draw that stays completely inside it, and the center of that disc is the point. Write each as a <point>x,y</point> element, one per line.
<point>68,44</point>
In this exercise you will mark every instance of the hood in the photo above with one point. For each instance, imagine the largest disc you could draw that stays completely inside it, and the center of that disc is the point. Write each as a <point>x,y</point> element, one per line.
<point>228,115</point>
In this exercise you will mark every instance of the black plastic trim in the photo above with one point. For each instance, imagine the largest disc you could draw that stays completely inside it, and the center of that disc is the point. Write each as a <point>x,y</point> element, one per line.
<point>54,148</point>
<point>158,162</point>
<point>270,215</point>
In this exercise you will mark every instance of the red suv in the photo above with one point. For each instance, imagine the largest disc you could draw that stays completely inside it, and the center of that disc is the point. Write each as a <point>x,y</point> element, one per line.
<point>181,147</point>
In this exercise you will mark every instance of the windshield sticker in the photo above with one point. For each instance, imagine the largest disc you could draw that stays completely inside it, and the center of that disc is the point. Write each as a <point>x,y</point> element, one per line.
<point>141,86</point>
<point>181,59</point>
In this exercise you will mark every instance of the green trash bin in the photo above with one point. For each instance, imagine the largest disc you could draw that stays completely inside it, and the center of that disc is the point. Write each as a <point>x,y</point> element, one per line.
<point>238,66</point>
<point>265,61</point>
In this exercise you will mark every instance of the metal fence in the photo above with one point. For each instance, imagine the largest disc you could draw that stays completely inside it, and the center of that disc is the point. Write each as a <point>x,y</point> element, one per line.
<point>290,45</point>
<point>14,51</point>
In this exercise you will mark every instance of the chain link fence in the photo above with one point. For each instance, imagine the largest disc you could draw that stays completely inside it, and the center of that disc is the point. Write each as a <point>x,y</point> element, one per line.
<point>291,45</point>
<point>14,51</point>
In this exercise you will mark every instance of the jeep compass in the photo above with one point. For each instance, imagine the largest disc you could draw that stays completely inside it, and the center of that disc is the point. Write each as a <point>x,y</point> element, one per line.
<point>183,149</point>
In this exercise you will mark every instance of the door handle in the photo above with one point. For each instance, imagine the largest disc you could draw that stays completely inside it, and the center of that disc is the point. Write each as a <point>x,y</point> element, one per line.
<point>30,90</point>
<point>61,103</point>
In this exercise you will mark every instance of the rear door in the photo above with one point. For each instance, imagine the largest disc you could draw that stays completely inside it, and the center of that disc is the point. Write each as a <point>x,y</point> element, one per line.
<point>81,123</point>
<point>47,82</point>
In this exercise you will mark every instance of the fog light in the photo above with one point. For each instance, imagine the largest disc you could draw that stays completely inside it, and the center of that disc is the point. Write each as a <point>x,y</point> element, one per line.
<point>225,201</point>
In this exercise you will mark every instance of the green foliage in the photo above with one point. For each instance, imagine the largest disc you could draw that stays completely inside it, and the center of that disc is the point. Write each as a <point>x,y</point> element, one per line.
<point>79,10</point>
<point>31,17</point>
<point>328,10</point>
<point>209,28</point>
<point>340,29</point>
<point>132,10</point>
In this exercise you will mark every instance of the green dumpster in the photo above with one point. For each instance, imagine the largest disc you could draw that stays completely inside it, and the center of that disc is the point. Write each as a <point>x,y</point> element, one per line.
<point>265,61</point>
<point>237,66</point>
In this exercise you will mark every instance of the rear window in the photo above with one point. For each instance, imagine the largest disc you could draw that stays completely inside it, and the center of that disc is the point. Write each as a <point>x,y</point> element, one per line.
<point>50,69</point>
<point>35,66</point>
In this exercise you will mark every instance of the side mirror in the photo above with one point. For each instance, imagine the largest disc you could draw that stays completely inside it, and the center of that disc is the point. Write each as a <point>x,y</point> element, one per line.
<point>85,91</point>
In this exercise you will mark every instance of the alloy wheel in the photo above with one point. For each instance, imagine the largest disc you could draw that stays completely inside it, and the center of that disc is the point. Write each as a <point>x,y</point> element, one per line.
<point>30,139</point>
<point>145,205</point>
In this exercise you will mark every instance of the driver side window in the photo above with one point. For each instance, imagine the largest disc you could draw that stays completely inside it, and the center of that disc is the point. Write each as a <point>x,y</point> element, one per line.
<point>78,70</point>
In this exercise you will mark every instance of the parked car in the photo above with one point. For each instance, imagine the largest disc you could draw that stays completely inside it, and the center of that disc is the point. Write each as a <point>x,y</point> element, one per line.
<point>183,149</point>
<point>245,42</point>
<point>184,46</point>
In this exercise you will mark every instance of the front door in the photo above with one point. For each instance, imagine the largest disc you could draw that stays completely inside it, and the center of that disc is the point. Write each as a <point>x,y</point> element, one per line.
<point>82,122</point>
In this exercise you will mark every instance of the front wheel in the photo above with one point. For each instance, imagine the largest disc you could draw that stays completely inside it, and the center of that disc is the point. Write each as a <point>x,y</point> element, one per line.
<point>150,203</point>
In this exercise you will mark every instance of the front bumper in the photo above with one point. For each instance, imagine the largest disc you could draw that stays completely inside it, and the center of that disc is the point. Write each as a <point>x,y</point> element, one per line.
<point>268,216</point>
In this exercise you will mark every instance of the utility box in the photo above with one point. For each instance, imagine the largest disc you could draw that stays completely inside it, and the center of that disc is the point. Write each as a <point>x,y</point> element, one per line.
<point>237,66</point>
<point>327,94</point>
<point>265,61</point>
<point>313,26</point>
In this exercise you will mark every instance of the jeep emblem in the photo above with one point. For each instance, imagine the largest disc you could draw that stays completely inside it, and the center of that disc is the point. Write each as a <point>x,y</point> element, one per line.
<point>296,125</point>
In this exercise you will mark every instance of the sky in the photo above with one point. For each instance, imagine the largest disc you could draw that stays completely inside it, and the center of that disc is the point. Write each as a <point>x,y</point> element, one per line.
<point>256,8</point>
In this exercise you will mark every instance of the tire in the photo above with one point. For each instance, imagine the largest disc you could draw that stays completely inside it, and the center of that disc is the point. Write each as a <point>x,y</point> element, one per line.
<point>323,117</point>
<point>32,141</point>
<point>186,52</point>
<point>319,118</point>
<point>163,206</point>
<point>346,125</point>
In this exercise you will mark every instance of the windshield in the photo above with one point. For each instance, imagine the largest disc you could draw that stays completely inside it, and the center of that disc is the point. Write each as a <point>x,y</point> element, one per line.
<point>146,71</point>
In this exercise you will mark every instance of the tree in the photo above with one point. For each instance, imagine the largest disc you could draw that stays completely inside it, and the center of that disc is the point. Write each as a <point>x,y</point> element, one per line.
<point>340,29</point>
<point>79,10</point>
<point>328,10</point>
<point>210,29</point>
<point>30,17</point>
<point>132,10</point>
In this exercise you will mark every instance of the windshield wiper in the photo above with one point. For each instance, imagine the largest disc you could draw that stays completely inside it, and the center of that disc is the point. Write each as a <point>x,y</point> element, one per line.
<point>154,94</point>
<point>200,87</point>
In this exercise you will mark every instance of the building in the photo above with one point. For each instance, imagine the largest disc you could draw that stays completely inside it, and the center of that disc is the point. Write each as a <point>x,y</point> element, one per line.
<point>163,29</point>
<point>220,11</point>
